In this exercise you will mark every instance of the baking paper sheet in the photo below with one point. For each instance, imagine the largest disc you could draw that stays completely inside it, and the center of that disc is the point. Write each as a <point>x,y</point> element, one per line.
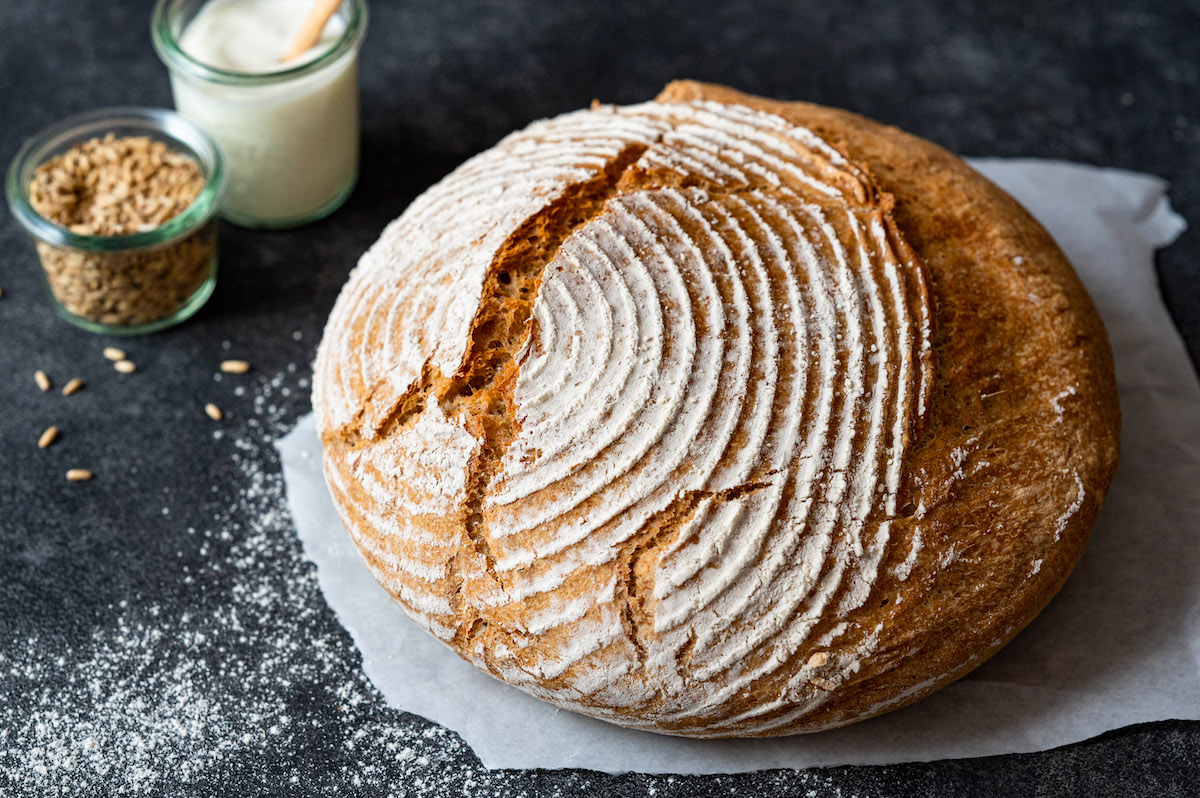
<point>1119,645</point>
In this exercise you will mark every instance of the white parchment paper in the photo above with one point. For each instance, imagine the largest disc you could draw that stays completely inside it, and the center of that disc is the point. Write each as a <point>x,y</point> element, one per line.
<point>1119,645</point>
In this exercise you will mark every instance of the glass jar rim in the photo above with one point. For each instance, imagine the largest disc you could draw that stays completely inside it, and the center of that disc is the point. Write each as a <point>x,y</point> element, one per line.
<point>166,44</point>
<point>182,134</point>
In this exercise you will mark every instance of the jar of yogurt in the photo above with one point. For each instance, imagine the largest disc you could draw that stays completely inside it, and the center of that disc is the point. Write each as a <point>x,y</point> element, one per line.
<point>289,131</point>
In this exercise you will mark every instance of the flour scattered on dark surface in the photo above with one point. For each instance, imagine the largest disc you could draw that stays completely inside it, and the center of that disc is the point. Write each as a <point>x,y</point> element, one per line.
<point>229,675</point>
<point>255,670</point>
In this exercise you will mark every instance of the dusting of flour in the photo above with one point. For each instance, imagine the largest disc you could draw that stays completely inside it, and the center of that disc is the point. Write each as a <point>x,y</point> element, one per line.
<point>254,684</point>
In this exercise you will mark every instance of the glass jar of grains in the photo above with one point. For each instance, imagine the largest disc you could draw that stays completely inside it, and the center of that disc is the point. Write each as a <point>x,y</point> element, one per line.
<point>121,204</point>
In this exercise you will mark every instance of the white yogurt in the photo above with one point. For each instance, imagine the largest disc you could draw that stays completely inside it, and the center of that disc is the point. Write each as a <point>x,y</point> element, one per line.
<point>291,141</point>
<point>252,35</point>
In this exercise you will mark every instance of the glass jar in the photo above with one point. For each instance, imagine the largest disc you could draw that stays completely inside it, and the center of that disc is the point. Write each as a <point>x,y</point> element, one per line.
<point>290,136</point>
<point>133,283</point>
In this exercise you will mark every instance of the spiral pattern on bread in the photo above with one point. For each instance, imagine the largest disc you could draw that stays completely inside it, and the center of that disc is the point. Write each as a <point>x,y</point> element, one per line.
<point>621,411</point>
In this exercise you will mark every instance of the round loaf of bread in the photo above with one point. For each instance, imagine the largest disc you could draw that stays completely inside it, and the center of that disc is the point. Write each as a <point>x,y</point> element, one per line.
<point>717,416</point>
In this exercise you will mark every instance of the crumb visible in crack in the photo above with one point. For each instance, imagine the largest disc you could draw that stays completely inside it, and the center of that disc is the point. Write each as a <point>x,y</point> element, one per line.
<point>481,393</point>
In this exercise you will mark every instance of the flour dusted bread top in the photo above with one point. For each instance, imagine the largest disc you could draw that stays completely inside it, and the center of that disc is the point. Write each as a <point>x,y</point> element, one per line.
<point>716,416</point>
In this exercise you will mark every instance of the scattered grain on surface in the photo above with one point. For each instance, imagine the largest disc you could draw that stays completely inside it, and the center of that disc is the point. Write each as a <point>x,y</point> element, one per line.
<point>72,386</point>
<point>42,380</point>
<point>234,366</point>
<point>79,475</point>
<point>145,713</point>
<point>213,411</point>
<point>48,437</point>
<point>125,366</point>
<point>112,353</point>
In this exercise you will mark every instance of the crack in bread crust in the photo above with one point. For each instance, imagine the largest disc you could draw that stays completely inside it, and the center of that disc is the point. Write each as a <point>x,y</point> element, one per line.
<point>557,488</point>
<point>634,588</point>
<point>481,393</point>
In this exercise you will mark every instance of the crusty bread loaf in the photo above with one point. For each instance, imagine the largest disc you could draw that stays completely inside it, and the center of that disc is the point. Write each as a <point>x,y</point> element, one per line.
<point>718,416</point>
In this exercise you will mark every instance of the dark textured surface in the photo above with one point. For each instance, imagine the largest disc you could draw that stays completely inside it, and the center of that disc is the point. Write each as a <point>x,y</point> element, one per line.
<point>169,571</point>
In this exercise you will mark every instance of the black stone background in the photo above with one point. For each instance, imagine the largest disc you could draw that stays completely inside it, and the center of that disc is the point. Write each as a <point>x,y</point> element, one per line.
<point>1104,83</point>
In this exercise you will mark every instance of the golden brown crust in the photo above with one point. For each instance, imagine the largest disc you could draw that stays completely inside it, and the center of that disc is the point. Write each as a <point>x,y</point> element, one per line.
<point>1006,466</point>
<point>1017,338</point>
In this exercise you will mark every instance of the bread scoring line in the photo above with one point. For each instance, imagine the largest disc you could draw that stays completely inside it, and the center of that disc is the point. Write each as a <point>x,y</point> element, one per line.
<point>394,311</point>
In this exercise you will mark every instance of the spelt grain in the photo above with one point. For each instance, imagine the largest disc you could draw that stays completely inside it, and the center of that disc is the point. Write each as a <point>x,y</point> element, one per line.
<point>118,186</point>
<point>48,437</point>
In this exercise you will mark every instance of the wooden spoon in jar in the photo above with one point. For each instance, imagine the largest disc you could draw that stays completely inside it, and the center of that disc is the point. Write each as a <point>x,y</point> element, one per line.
<point>310,31</point>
